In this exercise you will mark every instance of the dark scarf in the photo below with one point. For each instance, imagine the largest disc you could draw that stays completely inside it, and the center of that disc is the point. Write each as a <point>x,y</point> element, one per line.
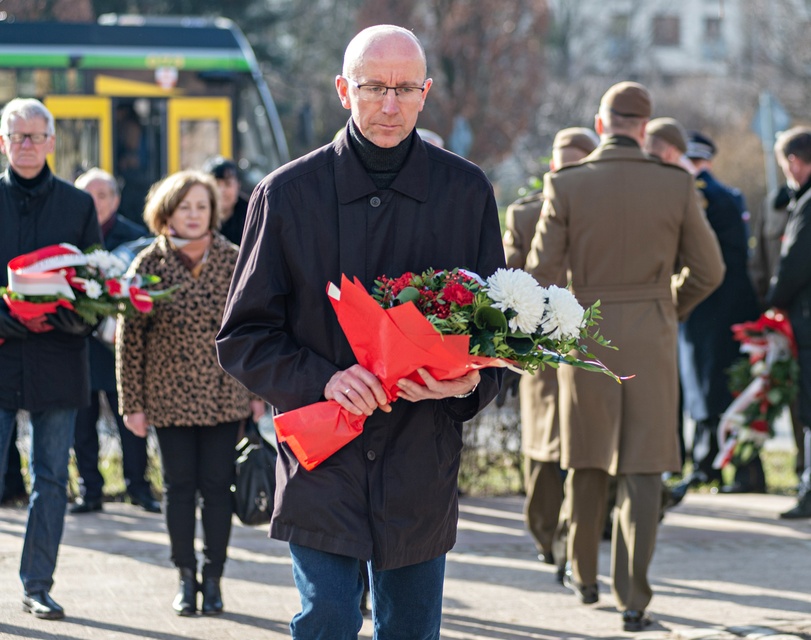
<point>381,164</point>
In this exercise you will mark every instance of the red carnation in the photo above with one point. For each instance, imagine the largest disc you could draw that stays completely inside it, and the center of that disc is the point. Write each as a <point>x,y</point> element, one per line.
<point>113,287</point>
<point>457,293</point>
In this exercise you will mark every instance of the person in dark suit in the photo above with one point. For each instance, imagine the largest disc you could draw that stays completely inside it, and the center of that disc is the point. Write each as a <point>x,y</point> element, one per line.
<point>116,230</point>
<point>233,205</point>
<point>790,288</point>
<point>706,344</point>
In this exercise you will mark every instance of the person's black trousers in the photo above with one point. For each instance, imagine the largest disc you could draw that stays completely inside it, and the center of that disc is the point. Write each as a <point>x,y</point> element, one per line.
<point>198,459</point>
<point>86,448</point>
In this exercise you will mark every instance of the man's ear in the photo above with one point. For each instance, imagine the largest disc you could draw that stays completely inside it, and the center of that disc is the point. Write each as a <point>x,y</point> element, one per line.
<point>598,124</point>
<point>342,87</point>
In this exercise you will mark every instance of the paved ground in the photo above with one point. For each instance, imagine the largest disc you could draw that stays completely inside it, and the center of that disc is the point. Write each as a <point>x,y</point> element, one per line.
<point>725,567</point>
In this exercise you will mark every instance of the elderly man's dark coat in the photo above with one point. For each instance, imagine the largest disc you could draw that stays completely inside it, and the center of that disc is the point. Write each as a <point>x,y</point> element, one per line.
<point>390,494</point>
<point>46,370</point>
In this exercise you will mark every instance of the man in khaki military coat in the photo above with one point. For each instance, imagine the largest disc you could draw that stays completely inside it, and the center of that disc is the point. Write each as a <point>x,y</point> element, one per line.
<point>540,434</point>
<point>622,221</point>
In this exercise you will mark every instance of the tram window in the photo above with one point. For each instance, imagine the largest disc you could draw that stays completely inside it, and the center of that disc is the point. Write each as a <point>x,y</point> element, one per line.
<point>199,140</point>
<point>254,138</point>
<point>77,144</point>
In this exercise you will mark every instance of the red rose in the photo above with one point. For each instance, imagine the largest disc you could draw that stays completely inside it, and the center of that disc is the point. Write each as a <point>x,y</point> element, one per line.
<point>759,425</point>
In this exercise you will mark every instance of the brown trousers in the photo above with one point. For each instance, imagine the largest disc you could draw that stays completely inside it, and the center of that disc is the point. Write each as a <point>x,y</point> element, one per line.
<point>636,518</point>
<point>544,486</point>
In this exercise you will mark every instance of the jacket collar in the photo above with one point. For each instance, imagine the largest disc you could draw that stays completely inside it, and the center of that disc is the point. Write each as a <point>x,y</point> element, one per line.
<point>353,183</point>
<point>13,181</point>
<point>618,148</point>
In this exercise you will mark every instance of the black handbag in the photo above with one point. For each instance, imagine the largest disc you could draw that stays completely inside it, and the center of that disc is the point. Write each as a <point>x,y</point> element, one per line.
<point>255,481</point>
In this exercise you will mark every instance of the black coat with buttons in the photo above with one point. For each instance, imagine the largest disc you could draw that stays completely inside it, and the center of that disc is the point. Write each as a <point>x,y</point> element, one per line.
<point>390,494</point>
<point>45,370</point>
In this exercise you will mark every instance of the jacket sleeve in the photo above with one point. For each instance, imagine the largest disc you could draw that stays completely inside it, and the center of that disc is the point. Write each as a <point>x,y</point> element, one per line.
<point>794,269</point>
<point>130,356</point>
<point>549,246</point>
<point>256,343</point>
<point>700,254</point>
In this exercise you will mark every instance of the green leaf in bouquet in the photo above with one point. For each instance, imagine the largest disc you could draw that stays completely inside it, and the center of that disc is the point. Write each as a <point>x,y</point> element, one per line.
<point>409,294</point>
<point>521,345</point>
<point>487,317</point>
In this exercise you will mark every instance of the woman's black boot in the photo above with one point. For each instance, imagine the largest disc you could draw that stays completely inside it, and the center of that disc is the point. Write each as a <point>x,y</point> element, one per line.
<point>212,597</point>
<point>185,602</point>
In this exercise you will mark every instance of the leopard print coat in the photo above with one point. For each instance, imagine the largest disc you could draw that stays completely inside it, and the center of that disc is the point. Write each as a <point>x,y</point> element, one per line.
<point>166,361</point>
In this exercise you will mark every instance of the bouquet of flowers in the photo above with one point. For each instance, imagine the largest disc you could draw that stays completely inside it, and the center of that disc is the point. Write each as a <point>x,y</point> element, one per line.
<point>91,283</point>
<point>763,382</point>
<point>448,322</point>
<point>509,317</point>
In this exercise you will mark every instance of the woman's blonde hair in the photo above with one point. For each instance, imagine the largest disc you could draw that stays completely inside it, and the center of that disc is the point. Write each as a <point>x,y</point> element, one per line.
<point>166,195</point>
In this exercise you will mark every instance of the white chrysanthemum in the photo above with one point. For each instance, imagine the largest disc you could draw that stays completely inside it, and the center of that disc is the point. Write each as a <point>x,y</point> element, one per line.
<point>564,314</point>
<point>92,289</point>
<point>110,265</point>
<point>516,290</point>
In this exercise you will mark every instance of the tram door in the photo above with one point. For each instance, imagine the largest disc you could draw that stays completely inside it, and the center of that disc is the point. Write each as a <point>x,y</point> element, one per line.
<point>138,139</point>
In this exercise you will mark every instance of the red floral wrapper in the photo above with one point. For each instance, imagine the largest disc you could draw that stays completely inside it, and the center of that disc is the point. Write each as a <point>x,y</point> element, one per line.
<point>392,344</point>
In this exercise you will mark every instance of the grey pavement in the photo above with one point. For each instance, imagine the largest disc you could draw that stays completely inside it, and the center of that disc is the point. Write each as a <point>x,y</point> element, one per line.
<point>725,567</point>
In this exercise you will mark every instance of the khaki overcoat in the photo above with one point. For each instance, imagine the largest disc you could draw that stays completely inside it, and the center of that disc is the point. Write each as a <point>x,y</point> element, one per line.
<point>624,221</point>
<point>538,393</point>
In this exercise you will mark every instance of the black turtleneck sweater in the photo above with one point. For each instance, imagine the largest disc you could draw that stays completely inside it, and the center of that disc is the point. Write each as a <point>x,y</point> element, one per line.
<point>32,183</point>
<point>382,165</point>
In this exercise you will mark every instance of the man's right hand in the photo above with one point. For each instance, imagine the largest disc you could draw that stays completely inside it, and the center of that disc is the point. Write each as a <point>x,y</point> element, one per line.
<point>9,327</point>
<point>357,390</point>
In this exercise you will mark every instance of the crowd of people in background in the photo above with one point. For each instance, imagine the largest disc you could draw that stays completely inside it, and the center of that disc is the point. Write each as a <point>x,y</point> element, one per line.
<point>249,326</point>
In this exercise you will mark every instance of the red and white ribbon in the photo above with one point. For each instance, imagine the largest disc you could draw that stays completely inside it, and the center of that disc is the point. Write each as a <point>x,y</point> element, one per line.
<point>44,272</point>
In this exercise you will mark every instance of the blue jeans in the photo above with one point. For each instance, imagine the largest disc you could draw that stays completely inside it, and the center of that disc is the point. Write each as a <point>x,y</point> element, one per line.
<point>51,439</point>
<point>406,602</point>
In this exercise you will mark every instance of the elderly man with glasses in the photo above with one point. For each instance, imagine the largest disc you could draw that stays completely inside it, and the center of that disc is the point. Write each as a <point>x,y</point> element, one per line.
<point>43,362</point>
<point>377,200</point>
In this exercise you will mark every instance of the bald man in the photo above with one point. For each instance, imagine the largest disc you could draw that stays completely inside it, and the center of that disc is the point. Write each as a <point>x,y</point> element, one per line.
<point>378,200</point>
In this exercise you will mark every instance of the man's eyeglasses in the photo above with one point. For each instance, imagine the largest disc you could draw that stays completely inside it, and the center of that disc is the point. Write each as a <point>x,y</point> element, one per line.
<point>19,138</point>
<point>377,92</point>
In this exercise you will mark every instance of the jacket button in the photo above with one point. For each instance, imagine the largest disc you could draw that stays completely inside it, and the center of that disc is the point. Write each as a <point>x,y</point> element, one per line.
<point>374,201</point>
<point>370,455</point>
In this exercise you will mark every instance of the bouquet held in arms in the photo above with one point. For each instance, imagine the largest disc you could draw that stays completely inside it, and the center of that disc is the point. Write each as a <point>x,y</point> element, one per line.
<point>449,323</point>
<point>91,283</point>
<point>764,382</point>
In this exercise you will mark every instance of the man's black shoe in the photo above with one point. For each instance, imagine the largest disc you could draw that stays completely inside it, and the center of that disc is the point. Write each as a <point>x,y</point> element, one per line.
<point>739,487</point>
<point>801,510</point>
<point>41,605</point>
<point>586,593</point>
<point>546,557</point>
<point>85,505</point>
<point>634,620</point>
<point>146,502</point>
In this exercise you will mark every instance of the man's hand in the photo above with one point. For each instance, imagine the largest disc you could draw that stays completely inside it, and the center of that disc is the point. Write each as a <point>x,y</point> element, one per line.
<point>69,322</point>
<point>9,326</point>
<point>436,390</point>
<point>136,422</point>
<point>357,390</point>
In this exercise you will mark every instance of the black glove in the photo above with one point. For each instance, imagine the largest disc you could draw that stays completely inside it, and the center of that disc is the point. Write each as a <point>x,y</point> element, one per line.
<point>9,327</point>
<point>508,383</point>
<point>69,322</point>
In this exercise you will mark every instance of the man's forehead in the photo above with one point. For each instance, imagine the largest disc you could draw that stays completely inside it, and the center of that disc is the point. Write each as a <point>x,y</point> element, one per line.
<point>20,120</point>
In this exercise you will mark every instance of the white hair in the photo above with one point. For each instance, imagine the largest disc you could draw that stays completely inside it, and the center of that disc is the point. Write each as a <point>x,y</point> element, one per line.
<point>25,109</point>
<point>91,175</point>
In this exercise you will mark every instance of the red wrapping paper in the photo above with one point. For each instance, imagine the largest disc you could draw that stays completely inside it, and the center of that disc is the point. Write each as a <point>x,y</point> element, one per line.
<point>392,344</point>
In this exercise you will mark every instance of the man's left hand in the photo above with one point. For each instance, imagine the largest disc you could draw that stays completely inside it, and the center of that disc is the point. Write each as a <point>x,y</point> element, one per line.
<point>69,322</point>
<point>435,389</point>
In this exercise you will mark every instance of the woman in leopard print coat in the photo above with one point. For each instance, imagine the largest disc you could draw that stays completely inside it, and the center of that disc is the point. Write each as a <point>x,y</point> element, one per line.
<point>168,376</point>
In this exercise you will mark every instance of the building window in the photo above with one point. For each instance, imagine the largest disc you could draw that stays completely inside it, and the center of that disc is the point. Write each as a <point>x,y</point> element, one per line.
<point>619,41</point>
<point>713,46</point>
<point>666,31</point>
